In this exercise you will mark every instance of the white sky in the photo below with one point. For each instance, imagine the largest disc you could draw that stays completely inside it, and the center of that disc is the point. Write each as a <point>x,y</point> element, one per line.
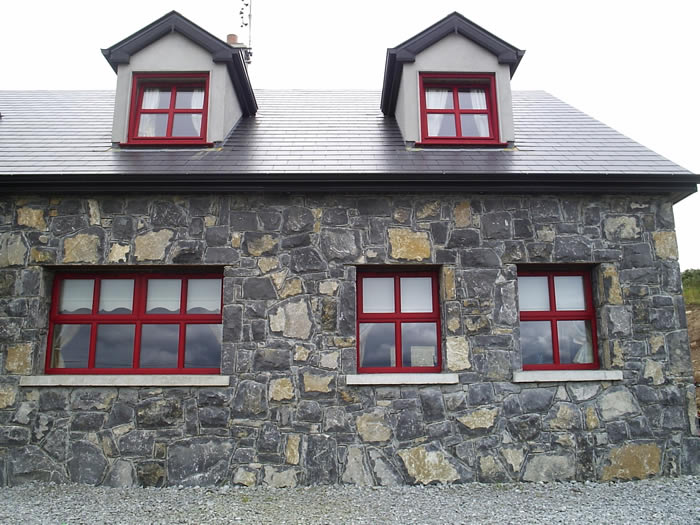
<point>630,63</point>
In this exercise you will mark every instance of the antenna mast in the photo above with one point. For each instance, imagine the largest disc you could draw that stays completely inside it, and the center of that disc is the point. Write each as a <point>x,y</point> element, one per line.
<point>246,14</point>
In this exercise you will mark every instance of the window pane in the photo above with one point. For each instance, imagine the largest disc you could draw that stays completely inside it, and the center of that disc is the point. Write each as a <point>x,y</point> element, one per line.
<point>156,98</point>
<point>377,295</point>
<point>472,99</point>
<point>203,346</point>
<point>187,124</point>
<point>439,98</point>
<point>419,344</point>
<point>416,294</point>
<point>575,342</point>
<point>71,346</point>
<point>440,125</point>
<point>568,291</point>
<point>533,293</point>
<point>536,342</point>
<point>377,345</point>
<point>163,296</point>
<point>115,346</point>
<point>76,296</point>
<point>116,296</point>
<point>153,125</point>
<point>159,345</point>
<point>189,98</point>
<point>474,125</point>
<point>204,296</point>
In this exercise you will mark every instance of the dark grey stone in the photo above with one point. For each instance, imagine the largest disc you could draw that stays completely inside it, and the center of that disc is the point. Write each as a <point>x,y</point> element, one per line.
<point>14,436</point>
<point>464,239</point>
<point>87,464</point>
<point>271,359</point>
<point>150,473</point>
<point>432,405</point>
<point>53,399</point>
<point>571,249</point>
<point>61,226</point>
<point>296,219</point>
<point>480,394</point>
<point>259,288</point>
<point>250,400</point>
<point>408,425</point>
<point>373,206</point>
<point>158,413</point>
<point>334,217</point>
<point>168,214</point>
<point>336,420</point>
<point>221,255</point>
<point>199,461</point>
<point>213,417</point>
<point>496,225</point>
<point>243,221</point>
<point>296,241</point>
<point>123,228</point>
<point>187,252</point>
<point>320,463</point>
<point>307,260</point>
<point>87,421</point>
<point>479,257</point>
<point>340,245</point>
<point>524,428</point>
<point>216,235</point>
<point>536,399</point>
<point>136,443</point>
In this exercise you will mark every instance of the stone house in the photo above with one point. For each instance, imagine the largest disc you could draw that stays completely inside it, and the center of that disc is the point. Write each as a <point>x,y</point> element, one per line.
<point>204,284</point>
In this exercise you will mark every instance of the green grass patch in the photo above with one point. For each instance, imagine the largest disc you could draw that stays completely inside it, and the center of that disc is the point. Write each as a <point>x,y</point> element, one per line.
<point>691,286</point>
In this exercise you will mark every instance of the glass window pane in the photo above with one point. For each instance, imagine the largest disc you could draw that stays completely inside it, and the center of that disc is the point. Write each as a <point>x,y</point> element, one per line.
<point>474,125</point>
<point>189,98</point>
<point>441,125</point>
<point>419,344</point>
<point>203,346</point>
<point>536,342</point>
<point>377,345</point>
<point>76,296</point>
<point>439,98</point>
<point>163,296</point>
<point>575,342</point>
<point>377,294</point>
<point>153,125</point>
<point>533,294</point>
<point>568,292</point>
<point>472,99</point>
<point>71,346</point>
<point>159,345</point>
<point>416,294</point>
<point>204,296</point>
<point>115,346</point>
<point>187,124</point>
<point>116,296</point>
<point>156,98</point>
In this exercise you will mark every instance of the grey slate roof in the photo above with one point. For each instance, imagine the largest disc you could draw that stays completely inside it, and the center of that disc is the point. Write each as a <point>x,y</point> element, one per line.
<point>333,132</point>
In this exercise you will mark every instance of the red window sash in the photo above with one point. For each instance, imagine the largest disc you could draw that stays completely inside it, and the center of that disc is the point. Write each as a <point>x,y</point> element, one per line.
<point>137,318</point>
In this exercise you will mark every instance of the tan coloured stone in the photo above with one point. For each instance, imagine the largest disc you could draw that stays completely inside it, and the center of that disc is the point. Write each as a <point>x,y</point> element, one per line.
<point>328,287</point>
<point>621,228</point>
<point>281,389</point>
<point>372,427</point>
<point>428,466</point>
<point>277,320</point>
<point>81,248</point>
<point>458,354</point>
<point>654,371</point>
<point>608,274</point>
<point>453,324</point>
<point>268,263</point>
<point>633,462</point>
<point>618,359</point>
<point>316,383</point>
<point>448,288</point>
<point>566,440</point>
<point>259,246</point>
<point>545,233</point>
<point>665,245</point>
<point>402,215</point>
<point>209,221</point>
<point>591,418</point>
<point>118,253</point>
<point>481,418</point>
<point>430,209</point>
<point>151,246</point>
<point>656,343</point>
<point>565,418</point>
<point>409,245</point>
<point>463,214</point>
<point>278,278</point>
<point>344,342</point>
<point>476,324</point>
<point>244,477</point>
<point>94,216</point>
<point>8,395</point>
<point>514,457</point>
<point>291,288</point>
<point>32,217</point>
<point>19,359</point>
<point>280,479</point>
<point>291,451</point>
<point>41,256</point>
<point>292,320</point>
<point>236,238</point>
<point>490,467</point>
<point>330,360</point>
<point>691,402</point>
<point>301,353</point>
<point>13,251</point>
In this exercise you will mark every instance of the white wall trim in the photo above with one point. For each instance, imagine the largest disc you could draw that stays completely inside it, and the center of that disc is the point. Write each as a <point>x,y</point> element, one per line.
<point>125,380</point>
<point>402,379</point>
<point>551,376</point>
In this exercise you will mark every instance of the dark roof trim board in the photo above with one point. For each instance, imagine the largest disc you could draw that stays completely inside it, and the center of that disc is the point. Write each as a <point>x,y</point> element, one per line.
<point>679,186</point>
<point>221,52</point>
<point>452,23</point>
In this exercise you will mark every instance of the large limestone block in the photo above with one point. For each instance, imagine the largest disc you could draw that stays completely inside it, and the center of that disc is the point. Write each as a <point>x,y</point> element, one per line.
<point>82,248</point>
<point>409,245</point>
<point>31,217</point>
<point>428,466</point>
<point>13,250</point>
<point>292,319</point>
<point>550,467</point>
<point>19,359</point>
<point>616,403</point>
<point>633,462</point>
<point>151,246</point>
<point>372,427</point>
<point>665,245</point>
<point>458,354</point>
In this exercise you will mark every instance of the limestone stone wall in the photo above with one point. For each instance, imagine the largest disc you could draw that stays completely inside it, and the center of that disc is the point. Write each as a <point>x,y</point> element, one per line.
<point>288,416</point>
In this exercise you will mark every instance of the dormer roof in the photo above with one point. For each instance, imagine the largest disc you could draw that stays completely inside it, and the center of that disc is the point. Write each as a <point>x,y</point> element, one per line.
<point>453,23</point>
<point>221,52</point>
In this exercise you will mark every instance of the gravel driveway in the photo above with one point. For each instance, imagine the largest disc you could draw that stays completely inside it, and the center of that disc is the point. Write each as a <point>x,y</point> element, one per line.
<point>662,501</point>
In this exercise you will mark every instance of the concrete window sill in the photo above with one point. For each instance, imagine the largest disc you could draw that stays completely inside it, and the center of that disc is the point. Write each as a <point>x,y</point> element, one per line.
<point>125,380</point>
<point>558,376</point>
<point>401,379</point>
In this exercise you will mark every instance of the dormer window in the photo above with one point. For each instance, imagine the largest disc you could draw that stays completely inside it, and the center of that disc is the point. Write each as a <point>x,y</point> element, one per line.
<point>458,108</point>
<point>169,109</point>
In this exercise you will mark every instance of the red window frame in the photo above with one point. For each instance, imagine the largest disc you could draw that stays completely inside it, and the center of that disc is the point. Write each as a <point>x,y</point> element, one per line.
<point>456,81</point>
<point>174,81</point>
<point>397,318</point>
<point>553,315</point>
<point>138,317</point>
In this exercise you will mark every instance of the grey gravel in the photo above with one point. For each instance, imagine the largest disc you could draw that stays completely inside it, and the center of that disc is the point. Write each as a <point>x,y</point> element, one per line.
<point>668,500</point>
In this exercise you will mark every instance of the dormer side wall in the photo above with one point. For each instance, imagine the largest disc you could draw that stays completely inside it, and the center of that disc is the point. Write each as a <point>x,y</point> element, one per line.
<point>452,54</point>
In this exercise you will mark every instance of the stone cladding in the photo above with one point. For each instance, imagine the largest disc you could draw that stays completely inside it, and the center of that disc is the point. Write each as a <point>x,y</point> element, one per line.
<point>288,416</point>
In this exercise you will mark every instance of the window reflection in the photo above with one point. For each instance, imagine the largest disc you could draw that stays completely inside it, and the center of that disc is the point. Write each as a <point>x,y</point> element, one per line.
<point>115,346</point>
<point>418,346</point>
<point>377,346</point>
<point>203,346</point>
<point>159,345</point>
<point>536,342</point>
<point>71,346</point>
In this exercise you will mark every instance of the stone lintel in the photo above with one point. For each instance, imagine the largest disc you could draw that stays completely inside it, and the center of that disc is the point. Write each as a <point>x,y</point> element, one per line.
<point>402,379</point>
<point>552,376</point>
<point>178,380</point>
